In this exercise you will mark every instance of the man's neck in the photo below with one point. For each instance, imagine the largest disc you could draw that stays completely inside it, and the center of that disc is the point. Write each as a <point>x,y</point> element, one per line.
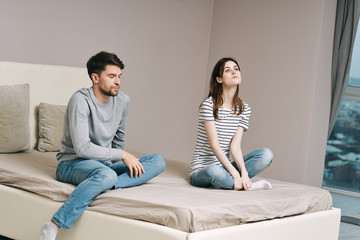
<point>100,96</point>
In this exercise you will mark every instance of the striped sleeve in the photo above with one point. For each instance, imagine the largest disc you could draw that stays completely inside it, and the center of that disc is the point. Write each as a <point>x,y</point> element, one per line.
<point>245,117</point>
<point>206,110</point>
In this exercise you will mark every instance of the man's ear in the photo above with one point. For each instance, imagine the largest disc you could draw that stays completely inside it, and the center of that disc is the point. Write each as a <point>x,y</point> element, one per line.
<point>94,78</point>
<point>219,80</point>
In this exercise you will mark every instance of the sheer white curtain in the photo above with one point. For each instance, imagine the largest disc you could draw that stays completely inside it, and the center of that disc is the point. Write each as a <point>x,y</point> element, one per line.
<point>347,18</point>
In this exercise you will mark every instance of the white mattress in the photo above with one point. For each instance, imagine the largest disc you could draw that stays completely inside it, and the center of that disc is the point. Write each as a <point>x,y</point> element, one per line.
<point>169,199</point>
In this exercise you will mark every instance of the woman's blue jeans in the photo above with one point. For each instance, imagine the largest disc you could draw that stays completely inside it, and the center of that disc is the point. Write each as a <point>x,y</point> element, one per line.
<point>218,177</point>
<point>93,177</point>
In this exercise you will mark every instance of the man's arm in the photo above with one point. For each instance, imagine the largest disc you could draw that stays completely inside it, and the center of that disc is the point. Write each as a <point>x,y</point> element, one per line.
<point>135,167</point>
<point>119,138</point>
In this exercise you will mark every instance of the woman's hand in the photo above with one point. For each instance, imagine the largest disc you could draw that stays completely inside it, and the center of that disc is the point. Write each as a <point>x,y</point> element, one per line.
<point>238,185</point>
<point>246,182</point>
<point>133,164</point>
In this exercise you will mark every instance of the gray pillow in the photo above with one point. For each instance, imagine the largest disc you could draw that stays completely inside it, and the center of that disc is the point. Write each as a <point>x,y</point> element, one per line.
<point>14,118</point>
<point>51,123</point>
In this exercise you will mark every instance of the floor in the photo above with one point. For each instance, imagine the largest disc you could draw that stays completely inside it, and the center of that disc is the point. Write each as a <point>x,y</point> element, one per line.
<point>348,204</point>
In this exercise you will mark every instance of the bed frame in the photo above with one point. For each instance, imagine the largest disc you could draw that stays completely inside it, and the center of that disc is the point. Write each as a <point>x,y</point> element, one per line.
<point>23,213</point>
<point>30,211</point>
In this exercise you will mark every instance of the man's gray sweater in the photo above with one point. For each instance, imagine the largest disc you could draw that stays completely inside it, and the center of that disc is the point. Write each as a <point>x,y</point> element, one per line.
<point>92,129</point>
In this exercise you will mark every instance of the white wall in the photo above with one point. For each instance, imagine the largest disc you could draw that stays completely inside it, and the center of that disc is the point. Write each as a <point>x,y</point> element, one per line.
<point>284,51</point>
<point>169,48</point>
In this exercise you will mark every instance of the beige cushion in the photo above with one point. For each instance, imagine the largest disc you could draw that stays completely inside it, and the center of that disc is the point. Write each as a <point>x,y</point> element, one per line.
<point>14,118</point>
<point>51,123</point>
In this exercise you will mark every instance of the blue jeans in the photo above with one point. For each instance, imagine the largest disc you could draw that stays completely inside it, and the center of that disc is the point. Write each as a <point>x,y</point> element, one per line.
<point>94,177</point>
<point>218,177</point>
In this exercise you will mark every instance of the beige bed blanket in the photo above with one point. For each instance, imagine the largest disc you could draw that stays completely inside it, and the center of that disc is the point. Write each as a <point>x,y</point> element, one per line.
<point>169,199</point>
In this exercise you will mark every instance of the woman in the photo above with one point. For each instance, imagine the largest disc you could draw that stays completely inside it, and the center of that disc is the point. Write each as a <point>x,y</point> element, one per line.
<point>218,160</point>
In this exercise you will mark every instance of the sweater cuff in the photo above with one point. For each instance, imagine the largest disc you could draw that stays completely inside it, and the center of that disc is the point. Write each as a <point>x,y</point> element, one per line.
<point>116,154</point>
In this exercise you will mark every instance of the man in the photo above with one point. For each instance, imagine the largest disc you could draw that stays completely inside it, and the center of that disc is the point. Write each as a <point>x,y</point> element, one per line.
<point>92,155</point>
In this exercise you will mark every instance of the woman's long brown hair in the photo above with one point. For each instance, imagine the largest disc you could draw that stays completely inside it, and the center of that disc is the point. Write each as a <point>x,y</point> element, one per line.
<point>216,89</point>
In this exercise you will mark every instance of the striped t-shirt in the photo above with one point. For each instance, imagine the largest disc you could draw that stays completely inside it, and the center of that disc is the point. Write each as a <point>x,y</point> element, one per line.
<point>226,128</point>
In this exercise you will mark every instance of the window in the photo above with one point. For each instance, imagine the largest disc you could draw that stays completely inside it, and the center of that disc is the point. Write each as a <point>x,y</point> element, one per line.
<point>342,160</point>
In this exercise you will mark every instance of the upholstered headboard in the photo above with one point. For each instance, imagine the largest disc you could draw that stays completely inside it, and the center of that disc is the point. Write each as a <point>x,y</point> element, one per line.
<point>48,84</point>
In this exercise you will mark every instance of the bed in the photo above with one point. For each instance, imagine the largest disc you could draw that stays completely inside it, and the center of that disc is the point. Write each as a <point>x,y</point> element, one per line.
<point>166,207</point>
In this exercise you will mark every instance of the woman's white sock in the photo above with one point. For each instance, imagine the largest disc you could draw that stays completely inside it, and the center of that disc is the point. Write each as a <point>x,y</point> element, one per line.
<point>261,184</point>
<point>48,231</point>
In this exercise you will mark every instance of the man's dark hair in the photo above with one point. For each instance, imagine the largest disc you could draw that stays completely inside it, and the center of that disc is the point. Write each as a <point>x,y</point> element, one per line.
<point>98,62</point>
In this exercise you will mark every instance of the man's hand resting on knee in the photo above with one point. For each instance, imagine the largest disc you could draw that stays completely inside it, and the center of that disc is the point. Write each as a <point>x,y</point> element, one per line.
<point>133,164</point>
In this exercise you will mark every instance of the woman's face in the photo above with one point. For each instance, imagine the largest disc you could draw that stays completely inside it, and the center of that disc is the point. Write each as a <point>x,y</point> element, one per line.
<point>231,75</point>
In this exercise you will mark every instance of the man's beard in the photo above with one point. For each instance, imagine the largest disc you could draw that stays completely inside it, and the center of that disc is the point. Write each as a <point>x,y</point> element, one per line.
<point>108,93</point>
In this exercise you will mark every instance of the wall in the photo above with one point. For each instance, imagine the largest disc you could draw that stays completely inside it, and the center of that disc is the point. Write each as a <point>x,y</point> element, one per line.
<point>163,43</point>
<point>284,48</point>
<point>169,48</point>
